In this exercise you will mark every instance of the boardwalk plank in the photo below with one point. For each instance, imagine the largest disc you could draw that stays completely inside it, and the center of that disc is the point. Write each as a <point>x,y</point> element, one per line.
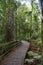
<point>17,55</point>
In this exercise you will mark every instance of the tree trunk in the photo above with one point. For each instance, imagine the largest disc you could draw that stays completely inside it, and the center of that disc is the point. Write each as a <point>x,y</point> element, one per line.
<point>41,1</point>
<point>42,26</point>
<point>9,24</point>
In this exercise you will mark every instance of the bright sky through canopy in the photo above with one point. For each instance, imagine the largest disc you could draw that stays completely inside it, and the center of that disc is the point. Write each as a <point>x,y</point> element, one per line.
<point>28,2</point>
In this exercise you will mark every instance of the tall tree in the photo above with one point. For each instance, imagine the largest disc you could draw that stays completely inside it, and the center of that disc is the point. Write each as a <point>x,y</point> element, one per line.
<point>9,22</point>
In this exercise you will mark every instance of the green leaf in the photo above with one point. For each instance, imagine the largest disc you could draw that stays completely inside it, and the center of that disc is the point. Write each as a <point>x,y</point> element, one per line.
<point>37,57</point>
<point>30,53</point>
<point>29,60</point>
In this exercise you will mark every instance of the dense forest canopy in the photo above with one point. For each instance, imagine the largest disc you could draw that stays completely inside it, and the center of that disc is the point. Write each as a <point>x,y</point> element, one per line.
<point>26,20</point>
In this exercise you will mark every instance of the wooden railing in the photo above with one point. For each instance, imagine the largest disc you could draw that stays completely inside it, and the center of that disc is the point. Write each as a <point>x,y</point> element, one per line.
<point>6,47</point>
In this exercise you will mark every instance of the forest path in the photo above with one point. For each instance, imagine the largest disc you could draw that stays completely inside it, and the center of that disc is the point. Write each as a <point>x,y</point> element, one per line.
<point>16,56</point>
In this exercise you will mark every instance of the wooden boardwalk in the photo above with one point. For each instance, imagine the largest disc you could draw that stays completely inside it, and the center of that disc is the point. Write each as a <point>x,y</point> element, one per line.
<point>16,56</point>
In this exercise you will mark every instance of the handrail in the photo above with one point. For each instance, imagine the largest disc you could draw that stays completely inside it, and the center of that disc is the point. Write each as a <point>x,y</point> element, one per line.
<point>6,43</point>
<point>14,44</point>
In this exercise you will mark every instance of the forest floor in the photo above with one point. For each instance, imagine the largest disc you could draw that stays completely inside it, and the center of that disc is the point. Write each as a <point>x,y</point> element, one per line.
<point>33,56</point>
<point>17,55</point>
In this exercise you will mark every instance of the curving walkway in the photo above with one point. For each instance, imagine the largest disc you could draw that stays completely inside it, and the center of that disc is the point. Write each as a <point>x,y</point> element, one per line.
<point>16,56</point>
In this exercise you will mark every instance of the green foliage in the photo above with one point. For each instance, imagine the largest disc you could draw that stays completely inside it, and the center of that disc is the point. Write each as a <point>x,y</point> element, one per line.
<point>29,60</point>
<point>30,53</point>
<point>37,57</point>
<point>24,24</point>
<point>40,64</point>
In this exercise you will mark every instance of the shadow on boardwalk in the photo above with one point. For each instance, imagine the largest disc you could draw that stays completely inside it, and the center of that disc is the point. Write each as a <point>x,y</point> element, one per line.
<point>16,56</point>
